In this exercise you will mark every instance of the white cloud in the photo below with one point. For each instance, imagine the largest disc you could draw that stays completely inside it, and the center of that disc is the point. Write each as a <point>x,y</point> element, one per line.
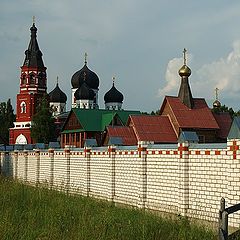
<point>223,73</point>
<point>172,77</point>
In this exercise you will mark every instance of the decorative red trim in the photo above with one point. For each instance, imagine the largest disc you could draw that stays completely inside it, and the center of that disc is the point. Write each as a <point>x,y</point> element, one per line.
<point>217,152</point>
<point>207,152</point>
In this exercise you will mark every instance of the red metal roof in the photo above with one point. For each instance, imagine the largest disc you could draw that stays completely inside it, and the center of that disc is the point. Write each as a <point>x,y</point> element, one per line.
<point>153,128</point>
<point>224,121</point>
<point>200,116</point>
<point>126,133</point>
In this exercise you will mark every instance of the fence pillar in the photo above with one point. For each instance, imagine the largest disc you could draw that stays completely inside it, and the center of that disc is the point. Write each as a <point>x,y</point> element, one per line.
<point>37,155</point>
<point>15,172</point>
<point>183,184</point>
<point>142,153</point>
<point>25,166</point>
<point>87,152</point>
<point>67,154</point>
<point>2,154</point>
<point>112,156</point>
<point>51,156</point>
<point>233,177</point>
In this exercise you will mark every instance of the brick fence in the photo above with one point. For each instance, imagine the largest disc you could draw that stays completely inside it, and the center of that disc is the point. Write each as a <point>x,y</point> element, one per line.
<point>184,179</point>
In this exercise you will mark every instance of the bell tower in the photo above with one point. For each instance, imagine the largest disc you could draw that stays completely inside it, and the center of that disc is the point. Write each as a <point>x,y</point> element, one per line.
<point>33,86</point>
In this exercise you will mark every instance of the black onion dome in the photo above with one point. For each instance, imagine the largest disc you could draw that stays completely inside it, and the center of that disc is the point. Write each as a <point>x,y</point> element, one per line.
<point>57,95</point>
<point>113,95</point>
<point>84,93</point>
<point>91,78</point>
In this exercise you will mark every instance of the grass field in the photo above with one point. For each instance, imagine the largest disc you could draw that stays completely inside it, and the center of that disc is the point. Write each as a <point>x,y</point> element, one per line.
<point>37,213</point>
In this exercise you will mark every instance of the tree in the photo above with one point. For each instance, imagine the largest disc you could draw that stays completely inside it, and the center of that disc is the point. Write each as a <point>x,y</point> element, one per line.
<point>7,117</point>
<point>224,108</point>
<point>43,127</point>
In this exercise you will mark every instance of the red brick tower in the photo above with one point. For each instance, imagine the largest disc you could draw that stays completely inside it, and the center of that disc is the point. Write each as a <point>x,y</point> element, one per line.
<point>33,86</point>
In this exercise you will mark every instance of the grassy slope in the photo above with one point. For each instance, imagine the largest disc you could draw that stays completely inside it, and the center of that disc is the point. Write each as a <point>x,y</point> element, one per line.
<point>37,213</point>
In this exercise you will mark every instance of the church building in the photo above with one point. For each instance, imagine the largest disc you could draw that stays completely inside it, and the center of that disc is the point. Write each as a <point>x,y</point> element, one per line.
<point>33,86</point>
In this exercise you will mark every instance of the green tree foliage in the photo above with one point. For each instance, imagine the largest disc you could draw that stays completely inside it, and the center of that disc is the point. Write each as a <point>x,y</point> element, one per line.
<point>7,117</point>
<point>224,108</point>
<point>43,127</point>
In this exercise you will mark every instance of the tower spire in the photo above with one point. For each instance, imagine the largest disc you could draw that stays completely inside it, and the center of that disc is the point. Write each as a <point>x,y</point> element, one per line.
<point>33,19</point>
<point>33,55</point>
<point>184,93</point>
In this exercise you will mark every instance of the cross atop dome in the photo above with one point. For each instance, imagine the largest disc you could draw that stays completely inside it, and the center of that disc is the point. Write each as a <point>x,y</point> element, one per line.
<point>184,56</point>
<point>85,58</point>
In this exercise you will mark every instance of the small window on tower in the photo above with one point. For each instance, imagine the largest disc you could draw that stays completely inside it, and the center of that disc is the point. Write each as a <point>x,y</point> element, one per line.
<point>32,78</point>
<point>24,79</point>
<point>23,107</point>
<point>40,79</point>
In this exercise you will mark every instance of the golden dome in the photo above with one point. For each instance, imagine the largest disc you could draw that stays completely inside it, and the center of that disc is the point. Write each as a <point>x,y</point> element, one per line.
<point>216,104</point>
<point>184,71</point>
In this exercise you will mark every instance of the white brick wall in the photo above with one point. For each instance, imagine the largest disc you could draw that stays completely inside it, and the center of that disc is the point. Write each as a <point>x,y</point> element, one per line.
<point>189,180</point>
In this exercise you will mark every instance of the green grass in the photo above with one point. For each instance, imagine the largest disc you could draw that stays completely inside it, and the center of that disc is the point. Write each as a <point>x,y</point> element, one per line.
<point>37,213</point>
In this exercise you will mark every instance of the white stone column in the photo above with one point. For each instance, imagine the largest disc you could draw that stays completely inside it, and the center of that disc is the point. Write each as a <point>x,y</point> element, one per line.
<point>15,168</point>
<point>112,173</point>
<point>183,180</point>
<point>142,153</point>
<point>87,152</point>
<point>51,156</point>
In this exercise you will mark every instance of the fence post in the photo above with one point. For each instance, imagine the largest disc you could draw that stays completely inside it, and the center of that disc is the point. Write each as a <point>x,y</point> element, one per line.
<point>87,152</point>
<point>183,184</point>
<point>225,225</point>
<point>220,219</point>
<point>142,153</point>
<point>112,155</point>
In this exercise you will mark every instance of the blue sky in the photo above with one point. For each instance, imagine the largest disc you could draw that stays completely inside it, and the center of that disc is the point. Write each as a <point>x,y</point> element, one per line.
<point>138,41</point>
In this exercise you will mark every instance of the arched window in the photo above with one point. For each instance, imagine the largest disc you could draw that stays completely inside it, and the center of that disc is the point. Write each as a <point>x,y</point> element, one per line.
<point>24,79</point>
<point>32,78</point>
<point>23,107</point>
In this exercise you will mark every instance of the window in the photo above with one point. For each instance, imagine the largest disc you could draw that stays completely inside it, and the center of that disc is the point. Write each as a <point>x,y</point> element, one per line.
<point>78,137</point>
<point>32,78</point>
<point>23,107</point>
<point>67,138</point>
<point>24,79</point>
<point>201,138</point>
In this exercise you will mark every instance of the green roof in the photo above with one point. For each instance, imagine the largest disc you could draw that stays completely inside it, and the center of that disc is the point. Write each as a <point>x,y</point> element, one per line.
<point>95,120</point>
<point>73,131</point>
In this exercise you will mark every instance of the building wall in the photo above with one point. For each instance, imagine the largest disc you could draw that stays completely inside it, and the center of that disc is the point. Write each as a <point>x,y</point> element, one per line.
<point>184,179</point>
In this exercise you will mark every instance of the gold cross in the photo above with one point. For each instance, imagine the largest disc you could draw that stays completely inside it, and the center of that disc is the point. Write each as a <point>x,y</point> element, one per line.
<point>216,92</point>
<point>113,79</point>
<point>184,56</point>
<point>85,57</point>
